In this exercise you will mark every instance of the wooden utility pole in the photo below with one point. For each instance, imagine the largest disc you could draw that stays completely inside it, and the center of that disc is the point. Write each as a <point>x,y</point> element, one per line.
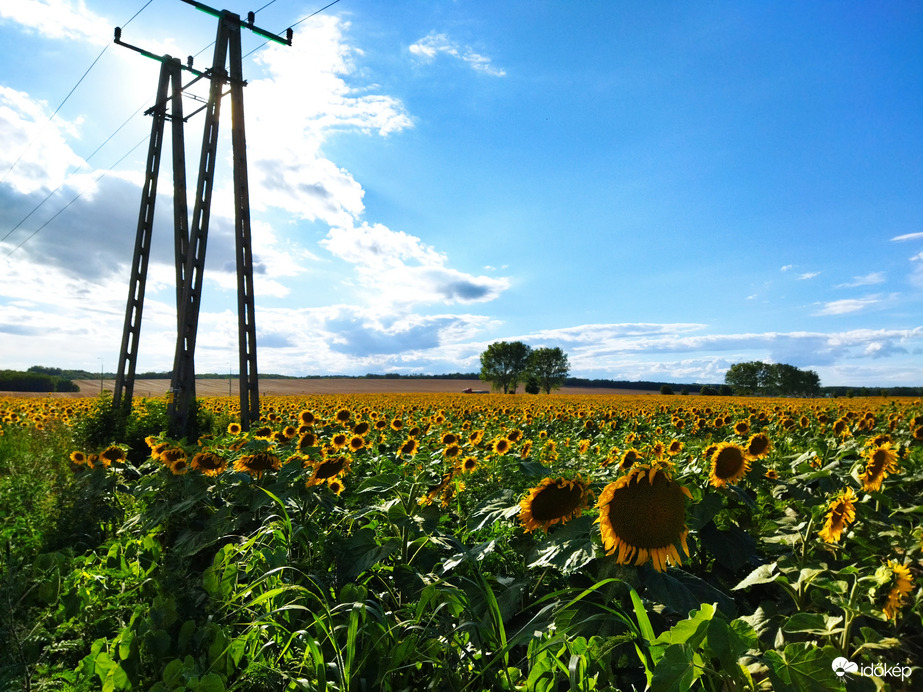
<point>191,238</point>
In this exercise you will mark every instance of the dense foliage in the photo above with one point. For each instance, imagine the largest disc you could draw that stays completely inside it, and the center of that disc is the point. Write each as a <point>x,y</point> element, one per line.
<point>16,381</point>
<point>773,379</point>
<point>464,543</point>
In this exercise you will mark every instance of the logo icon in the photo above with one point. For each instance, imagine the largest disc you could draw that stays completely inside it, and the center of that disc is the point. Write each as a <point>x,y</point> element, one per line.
<point>841,666</point>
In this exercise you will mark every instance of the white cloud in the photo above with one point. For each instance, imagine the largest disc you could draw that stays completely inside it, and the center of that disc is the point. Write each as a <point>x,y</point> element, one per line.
<point>787,267</point>
<point>867,280</point>
<point>808,275</point>
<point>434,44</point>
<point>400,270</point>
<point>58,19</point>
<point>846,306</point>
<point>907,236</point>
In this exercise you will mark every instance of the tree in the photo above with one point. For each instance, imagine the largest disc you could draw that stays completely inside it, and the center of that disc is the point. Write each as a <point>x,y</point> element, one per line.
<point>504,364</point>
<point>549,367</point>
<point>779,379</point>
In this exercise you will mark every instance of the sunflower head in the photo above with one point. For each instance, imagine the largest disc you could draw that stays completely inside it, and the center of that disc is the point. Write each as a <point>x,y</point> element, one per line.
<point>257,464</point>
<point>729,463</point>
<point>554,501</point>
<point>901,584</point>
<point>880,461</point>
<point>78,457</point>
<point>759,446</point>
<point>840,514</point>
<point>209,463</point>
<point>501,445</point>
<point>468,464</point>
<point>234,429</point>
<point>642,516</point>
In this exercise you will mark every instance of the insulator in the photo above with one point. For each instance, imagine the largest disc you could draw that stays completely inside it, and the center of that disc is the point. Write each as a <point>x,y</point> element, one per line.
<point>118,33</point>
<point>288,35</point>
<point>251,17</point>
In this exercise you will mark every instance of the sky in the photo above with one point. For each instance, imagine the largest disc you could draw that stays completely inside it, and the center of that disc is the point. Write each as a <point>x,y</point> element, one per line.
<point>660,189</point>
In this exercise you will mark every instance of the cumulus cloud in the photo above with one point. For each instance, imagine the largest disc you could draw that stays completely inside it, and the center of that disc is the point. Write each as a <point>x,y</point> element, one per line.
<point>58,19</point>
<point>808,275</point>
<point>434,44</point>
<point>400,270</point>
<point>301,101</point>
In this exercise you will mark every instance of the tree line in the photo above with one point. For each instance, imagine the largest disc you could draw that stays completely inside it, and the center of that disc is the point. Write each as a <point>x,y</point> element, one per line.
<point>772,379</point>
<point>507,364</point>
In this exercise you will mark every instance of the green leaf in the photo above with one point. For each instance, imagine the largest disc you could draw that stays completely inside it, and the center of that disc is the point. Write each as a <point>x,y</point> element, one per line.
<point>802,667</point>
<point>211,682</point>
<point>677,669</point>
<point>683,592</point>
<point>690,631</point>
<point>764,574</point>
<point>732,548</point>
<point>813,623</point>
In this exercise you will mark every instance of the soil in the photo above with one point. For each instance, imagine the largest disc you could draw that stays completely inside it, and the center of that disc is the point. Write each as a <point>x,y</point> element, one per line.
<point>331,385</point>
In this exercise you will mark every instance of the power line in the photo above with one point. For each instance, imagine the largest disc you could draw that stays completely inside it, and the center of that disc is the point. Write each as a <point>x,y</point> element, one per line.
<point>69,94</point>
<point>79,195</point>
<point>85,161</point>
<point>109,138</point>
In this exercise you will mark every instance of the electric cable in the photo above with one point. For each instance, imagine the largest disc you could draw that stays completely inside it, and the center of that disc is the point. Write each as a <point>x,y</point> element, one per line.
<point>69,94</point>
<point>79,195</point>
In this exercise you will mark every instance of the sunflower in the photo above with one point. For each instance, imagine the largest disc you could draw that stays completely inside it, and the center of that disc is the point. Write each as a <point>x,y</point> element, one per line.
<point>772,474</point>
<point>209,463</point>
<point>880,461</point>
<point>514,435</point>
<point>525,449</point>
<point>171,455</point>
<point>583,446</point>
<point>409,447</point>
<point>501,445</point>
<point>642,516</point>
<point>307,418</point>
<point>339,441</point>
<point>258,463</point>
<point>356,442</point>
<point>336,486</point>
<point>840,514</point>
<point>328,469</point>
<point>397,424</point>
<point>759,446</point>
<point>158,449</point>
<point>553,501</point>
<point>449,439</point>
<point>343,416</point>
<point>675,447</point>
<point>729,463</point>
<point>468,464</point>
<point>78,457</point>
<point>235,429</point>
<point>179,467</point>
<point>264,432</point>
<point>742,427</point>
<point>452,451</point>
<point>306,440</point>
<point>902,585</point>
<point>629,457</point>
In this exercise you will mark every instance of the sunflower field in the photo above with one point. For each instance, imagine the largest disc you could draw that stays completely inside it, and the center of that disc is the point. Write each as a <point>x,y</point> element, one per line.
<point>457,542</point>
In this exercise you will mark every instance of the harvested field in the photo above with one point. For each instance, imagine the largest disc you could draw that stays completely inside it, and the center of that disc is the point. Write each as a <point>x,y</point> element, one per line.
<point>332,385</point>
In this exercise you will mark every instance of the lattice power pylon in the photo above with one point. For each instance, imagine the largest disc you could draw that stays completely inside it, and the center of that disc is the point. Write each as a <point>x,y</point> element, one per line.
<point>191,238</point>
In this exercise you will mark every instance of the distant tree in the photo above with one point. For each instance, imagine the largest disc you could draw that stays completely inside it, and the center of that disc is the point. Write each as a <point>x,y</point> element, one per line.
<point>724,390</point>
<point>708,390</point>
<point>532,386</point>
<point>778,379</point>
<point>666,389</point>
<point>549,367</point>
<point>504,364</point>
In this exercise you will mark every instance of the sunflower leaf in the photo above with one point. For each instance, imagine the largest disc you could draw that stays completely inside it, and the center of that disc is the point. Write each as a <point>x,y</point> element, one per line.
<point>764,574</point>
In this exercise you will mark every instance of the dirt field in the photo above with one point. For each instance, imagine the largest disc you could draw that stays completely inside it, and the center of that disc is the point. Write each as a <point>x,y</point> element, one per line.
<point>333,385</point>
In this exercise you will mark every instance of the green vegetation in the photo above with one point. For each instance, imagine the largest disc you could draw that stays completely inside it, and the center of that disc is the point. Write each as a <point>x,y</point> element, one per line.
<point>451,543</point>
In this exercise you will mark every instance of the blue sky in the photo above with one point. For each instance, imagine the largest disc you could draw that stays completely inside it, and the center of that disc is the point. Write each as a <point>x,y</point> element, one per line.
<point>662,189</point>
